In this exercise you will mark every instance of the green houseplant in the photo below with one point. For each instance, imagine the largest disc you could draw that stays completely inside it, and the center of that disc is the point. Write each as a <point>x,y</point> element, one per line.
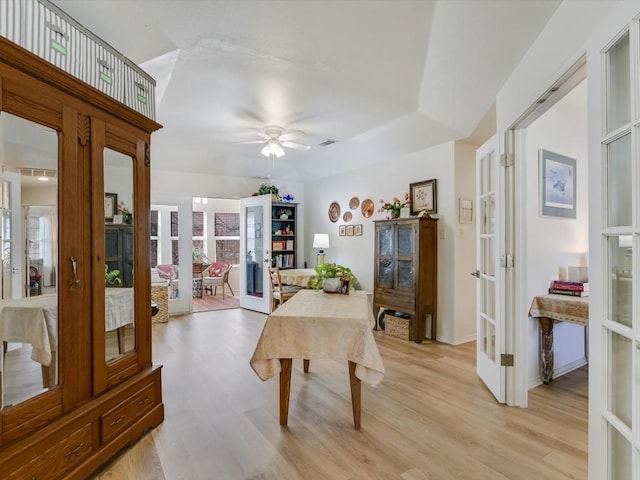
<point>111,276</point>
<point>332,270</point>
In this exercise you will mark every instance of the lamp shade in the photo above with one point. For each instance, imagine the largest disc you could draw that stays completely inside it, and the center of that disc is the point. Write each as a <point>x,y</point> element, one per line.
<point>321,240</point>
<point>273,147</point>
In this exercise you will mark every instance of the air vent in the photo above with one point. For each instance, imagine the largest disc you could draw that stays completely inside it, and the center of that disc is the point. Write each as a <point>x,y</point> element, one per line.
<point>327,143</point>
<point>39,173</point>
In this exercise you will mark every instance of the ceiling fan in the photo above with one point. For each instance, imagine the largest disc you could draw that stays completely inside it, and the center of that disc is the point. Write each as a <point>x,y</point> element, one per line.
<point>275,138</point>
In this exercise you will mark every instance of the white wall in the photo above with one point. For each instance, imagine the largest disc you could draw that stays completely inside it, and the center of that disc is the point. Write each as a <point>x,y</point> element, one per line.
<point>465,244</point>
<point>552,243</point>
<point>384,182</point>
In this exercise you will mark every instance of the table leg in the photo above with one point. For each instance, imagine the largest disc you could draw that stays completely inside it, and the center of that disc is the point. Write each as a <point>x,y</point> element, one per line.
<point>355,394</point>
<point>546,327</point>
<point>305,363</point>
<point>285,389</point>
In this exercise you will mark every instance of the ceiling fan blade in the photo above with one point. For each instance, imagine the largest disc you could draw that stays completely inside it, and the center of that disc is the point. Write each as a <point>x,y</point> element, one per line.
<point>296,146</point>
<point>253,141</point>
<point>289,135</point>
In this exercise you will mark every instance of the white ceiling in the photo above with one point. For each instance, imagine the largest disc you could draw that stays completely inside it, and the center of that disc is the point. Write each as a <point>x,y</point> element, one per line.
<point>383,78</point>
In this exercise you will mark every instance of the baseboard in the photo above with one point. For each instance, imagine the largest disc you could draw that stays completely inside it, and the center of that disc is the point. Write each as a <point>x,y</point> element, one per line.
<point>558,372</point>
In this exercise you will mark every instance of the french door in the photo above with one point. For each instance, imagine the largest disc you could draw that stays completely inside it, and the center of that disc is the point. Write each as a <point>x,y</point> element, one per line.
<point>255,253</point>
<point>489,324</point>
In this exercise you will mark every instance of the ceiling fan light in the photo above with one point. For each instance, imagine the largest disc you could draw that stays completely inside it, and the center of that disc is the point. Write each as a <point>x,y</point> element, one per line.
<point>273,147</point>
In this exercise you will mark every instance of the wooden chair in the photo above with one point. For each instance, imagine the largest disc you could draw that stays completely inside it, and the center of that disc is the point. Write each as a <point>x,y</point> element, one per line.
<point>214,276</point>
<point>280,293</point>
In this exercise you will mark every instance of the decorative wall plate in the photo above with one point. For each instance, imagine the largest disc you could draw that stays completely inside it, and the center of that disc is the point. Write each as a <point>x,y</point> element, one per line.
<point>334,212</point>
<point>347,216</point>
<point>367,208</point>
<point>354,203</point>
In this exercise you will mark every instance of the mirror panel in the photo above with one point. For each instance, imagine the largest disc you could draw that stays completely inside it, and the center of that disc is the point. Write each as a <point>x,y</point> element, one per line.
<point>119,274</point>
<point>29,295</point>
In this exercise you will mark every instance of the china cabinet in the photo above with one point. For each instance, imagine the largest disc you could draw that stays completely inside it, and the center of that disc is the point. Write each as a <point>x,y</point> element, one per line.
<point>119,253</point>
<point>98,397</point>
<point>283,235</point>
<point>406,271</point>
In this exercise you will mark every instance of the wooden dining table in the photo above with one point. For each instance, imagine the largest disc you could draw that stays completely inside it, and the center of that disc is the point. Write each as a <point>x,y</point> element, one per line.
<point>316,325</point>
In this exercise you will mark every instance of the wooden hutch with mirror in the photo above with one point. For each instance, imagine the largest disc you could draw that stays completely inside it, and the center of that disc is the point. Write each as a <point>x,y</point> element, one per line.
<point>77,382</point>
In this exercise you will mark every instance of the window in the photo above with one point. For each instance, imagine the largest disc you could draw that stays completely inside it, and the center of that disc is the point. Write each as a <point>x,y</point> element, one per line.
<point>153,229</point>
<point>198,238</point>
<point>175,248</point>
<point>227,237</point>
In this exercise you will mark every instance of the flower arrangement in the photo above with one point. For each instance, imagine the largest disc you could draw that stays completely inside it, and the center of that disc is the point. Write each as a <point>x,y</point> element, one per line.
<point>393,207</point>
<point>285,213</point>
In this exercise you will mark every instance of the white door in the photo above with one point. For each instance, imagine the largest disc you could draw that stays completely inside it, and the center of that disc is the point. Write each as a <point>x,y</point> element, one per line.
<point>14,279</point>
<point>255,253</point>
<point>490,325</point>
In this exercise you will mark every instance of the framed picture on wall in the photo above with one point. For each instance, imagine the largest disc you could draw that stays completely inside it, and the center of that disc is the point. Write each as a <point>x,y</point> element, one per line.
<point>357,230</point>
<point>342,229</point>
<point>349,230</point>
<point>557,185</point>
<point>424,196</point>
<point>110,206</point>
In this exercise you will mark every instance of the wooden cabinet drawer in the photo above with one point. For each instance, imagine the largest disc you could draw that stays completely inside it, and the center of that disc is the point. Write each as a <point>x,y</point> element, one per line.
<point>126,413</point>
<point>391,300</point>
<point>57,459</point>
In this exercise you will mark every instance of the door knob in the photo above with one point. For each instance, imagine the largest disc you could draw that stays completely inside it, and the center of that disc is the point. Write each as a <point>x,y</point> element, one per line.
<point>476,274</point>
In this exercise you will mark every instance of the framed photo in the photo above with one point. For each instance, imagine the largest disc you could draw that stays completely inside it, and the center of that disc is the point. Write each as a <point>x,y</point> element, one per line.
<point>342,229</point>
<point>357,230</point>
<point>557,185</point>
<point>349,230</point>
<point>117,219</point>
<point>424,196</point>
<point>110,206</point>
<point>465,212</point>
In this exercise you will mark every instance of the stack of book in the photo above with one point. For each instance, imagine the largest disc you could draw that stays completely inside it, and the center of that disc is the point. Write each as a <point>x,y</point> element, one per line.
<point>575,289</point>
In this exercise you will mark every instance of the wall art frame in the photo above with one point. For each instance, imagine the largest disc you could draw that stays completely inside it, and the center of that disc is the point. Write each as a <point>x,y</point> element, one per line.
<point>424,196</point>
<point>558,182</point>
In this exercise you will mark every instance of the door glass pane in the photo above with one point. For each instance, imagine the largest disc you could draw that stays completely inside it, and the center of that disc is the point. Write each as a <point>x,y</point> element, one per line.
<point>405,241</point>
<point>620,279</point>
<point>620,377</point>
<point>255,254</point>
<point>619,182</point>
<point>118,262</point>
<point>386,241</point>
<point>618,84</point>
<point>405,274</point>
<point>29,238</point>
<point>385,273</point>
<point>619,456</point>
<point>488,214</point>
<point>486,173</point>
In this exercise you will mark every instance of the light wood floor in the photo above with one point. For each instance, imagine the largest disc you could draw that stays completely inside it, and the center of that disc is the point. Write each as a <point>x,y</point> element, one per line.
<point>430,418</point>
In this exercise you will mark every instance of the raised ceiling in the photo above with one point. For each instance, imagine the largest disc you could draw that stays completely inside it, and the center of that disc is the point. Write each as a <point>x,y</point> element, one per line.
<point>382,78</point>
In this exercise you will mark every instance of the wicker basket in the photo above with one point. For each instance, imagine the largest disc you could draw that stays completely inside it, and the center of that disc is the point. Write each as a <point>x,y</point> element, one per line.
<point>160,295</point>
<point>398,327</point>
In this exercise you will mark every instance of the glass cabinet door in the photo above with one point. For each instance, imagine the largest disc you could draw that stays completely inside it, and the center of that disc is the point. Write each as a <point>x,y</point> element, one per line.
<point>405,259</point>
<point>386,258</point>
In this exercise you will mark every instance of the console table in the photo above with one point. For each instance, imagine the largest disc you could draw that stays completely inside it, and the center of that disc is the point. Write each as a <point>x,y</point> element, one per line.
<point>557,308</point>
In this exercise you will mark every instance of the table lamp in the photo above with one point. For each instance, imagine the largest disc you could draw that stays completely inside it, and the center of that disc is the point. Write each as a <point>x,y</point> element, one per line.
<point>321,241</point>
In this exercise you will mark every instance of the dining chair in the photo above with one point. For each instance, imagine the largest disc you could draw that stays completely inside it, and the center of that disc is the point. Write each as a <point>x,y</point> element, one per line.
<point>280,293</point>
<point>214,276</point>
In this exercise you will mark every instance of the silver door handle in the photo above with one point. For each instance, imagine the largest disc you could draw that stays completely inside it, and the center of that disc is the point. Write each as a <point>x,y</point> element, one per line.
<point>476,274</point>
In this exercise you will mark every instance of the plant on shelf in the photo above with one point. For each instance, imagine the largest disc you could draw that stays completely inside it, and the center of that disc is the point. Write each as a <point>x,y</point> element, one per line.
<point>127,216</point>
<point>284,213</point>
<point>394,207</point>
<point>266,189</point>
<point>111,276</point>
<point>331,270</point>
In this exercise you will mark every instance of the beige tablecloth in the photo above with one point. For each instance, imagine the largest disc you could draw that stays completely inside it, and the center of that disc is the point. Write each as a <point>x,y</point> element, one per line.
<point>561,307</point>
<point>34,320</point>
<point>300,277</point>
<point>314,325</point>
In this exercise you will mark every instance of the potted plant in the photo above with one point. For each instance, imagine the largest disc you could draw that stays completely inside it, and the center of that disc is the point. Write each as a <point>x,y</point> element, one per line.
<point>266,189</point>
<point>111,277</point>
<point>331,270</point>
<point>284,213</point>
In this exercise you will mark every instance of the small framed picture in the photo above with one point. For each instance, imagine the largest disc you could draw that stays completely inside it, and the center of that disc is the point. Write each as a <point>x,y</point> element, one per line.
<point>466,210</point>
<point>424,196</point>
<point>117,219</point>
<point>557,185</point>
<point>342,229</point>
<point>358,230</point>
<point>110,206</point>
<point>349,230</point>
